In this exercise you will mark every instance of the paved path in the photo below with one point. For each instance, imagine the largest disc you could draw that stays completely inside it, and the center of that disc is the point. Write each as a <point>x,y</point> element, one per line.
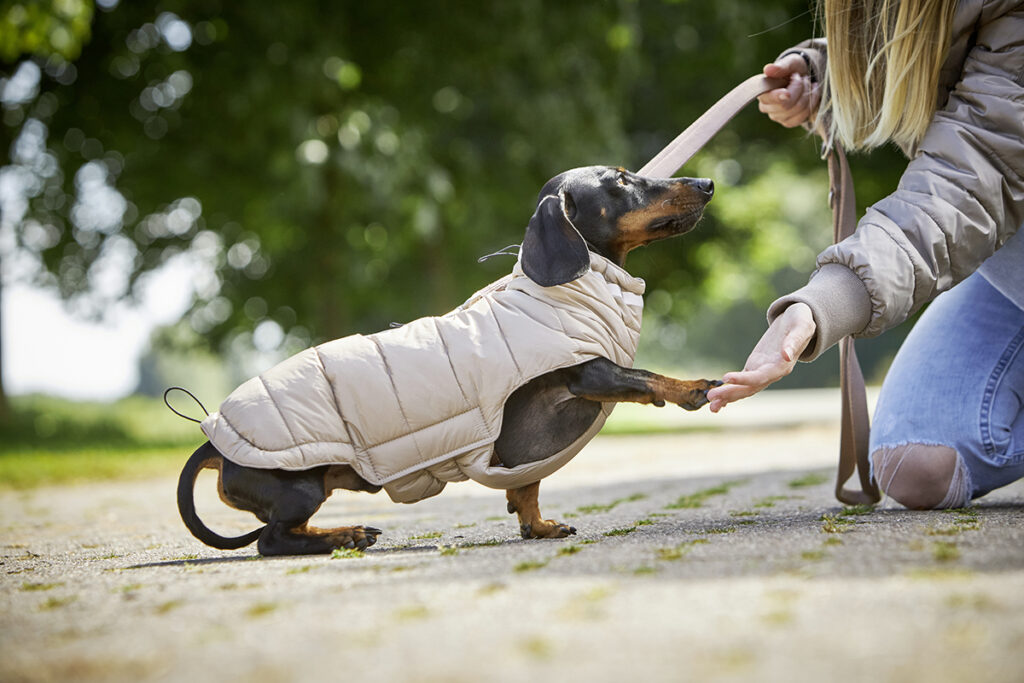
<point>718,556</point>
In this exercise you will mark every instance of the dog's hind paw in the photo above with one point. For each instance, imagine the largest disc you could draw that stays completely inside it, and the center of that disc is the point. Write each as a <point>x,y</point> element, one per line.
<point>357,537</point>
<point>546,528</point>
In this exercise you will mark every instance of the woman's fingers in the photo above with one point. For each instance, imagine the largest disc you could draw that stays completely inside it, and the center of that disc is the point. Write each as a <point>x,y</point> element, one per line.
<point>773,357</point>
<point>783,68</point>
<point>787,106</point>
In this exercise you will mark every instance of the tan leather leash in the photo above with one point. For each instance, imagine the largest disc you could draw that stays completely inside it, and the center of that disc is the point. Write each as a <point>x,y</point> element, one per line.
<point>855,424</point>
<point>669,160</point>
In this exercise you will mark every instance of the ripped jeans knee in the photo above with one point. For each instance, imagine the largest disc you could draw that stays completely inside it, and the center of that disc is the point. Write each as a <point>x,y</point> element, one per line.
<point>922,476</point>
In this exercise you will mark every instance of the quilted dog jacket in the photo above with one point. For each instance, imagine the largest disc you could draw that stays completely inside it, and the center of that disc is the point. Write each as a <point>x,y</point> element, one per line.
<point>421,405</point>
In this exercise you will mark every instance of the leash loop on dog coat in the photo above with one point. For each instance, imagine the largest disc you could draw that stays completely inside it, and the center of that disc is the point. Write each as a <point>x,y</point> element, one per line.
<point>192,396</point>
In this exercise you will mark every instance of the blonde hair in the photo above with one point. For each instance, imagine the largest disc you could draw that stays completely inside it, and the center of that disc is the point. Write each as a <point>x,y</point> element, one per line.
<point>884,58</point>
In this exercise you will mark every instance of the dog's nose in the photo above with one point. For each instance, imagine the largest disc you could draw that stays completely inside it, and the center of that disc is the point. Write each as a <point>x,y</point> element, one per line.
<point>707,186</point>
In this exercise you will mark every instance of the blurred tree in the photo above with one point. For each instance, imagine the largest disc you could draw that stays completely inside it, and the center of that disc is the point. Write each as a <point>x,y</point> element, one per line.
<point>51,33</point>
<point>339,165</point>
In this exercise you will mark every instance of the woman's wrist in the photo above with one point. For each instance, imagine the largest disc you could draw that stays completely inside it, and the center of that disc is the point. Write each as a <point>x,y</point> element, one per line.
<point>839,303</point>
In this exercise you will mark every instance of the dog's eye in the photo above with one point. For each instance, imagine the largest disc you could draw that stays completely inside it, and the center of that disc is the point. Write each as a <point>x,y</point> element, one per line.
<point>621,177</point>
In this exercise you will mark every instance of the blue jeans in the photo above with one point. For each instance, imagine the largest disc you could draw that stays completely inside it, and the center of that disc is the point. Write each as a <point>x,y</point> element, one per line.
<point>958,382</point>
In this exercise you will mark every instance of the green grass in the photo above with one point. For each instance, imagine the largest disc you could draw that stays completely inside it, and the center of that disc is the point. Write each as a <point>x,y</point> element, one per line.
<point>698,498</point>
<point>945,551</point>
<point>679,551</point>
<point>769,501</point>
<point>832,524</point>
<point>530,566</point>
<point>427,535</point>
<point>40,586</point>
<point>54,441</point>
<point>813,479</point>
<point>260,609</point>
<point>588,509</point>
<point>25,470</point>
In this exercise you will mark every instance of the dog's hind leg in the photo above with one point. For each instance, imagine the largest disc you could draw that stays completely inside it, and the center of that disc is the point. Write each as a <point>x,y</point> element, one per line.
<point>289,538</point>
<point>523,502</point>
<point>285,501</point>
<point>288,531</point>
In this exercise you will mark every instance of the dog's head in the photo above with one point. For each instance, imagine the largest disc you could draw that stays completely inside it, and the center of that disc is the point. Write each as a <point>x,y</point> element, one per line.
<point>609,211</point>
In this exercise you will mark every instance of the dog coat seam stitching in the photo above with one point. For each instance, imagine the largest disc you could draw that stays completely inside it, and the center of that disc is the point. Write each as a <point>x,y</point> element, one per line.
<point>451,363</point>
<point>394,390</point>
<point>341,415</point>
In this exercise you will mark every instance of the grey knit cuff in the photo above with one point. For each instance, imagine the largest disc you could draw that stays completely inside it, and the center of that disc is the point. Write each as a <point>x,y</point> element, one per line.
<point>839,302</point>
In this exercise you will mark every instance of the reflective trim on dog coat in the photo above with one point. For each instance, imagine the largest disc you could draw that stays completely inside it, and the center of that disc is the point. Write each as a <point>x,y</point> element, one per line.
<point>421,405</point>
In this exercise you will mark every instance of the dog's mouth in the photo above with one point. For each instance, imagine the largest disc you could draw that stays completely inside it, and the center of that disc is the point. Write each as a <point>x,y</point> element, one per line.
<point>678,223</point>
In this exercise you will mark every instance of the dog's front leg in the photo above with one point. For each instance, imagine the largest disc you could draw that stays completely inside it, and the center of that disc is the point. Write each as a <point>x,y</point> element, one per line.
<point>604,381</point>
<point>523,501</point>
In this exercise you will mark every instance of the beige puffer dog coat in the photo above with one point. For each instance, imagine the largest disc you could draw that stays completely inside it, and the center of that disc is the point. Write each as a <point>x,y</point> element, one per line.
<point>421,405</point>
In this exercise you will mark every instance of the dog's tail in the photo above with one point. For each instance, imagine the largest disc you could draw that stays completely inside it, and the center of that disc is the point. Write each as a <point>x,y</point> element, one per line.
<point>205,457</point>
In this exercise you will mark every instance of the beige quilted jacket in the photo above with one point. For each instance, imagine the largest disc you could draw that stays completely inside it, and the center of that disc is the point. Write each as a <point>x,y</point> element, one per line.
<point>959,202</point>
<point>421,405</point>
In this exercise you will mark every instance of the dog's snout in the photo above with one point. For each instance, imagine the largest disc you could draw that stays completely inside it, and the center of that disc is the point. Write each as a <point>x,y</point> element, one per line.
<point>706,185</point>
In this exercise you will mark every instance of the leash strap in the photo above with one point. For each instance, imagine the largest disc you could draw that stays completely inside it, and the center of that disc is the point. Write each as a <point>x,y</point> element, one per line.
<point>855,423</point>
<point>690,141</point>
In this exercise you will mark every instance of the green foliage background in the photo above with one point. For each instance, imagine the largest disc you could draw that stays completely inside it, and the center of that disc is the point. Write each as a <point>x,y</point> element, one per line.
<point>337,166</point>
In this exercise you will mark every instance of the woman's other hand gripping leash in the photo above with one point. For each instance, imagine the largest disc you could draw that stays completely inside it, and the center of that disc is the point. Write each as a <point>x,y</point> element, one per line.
<point>796,103</point>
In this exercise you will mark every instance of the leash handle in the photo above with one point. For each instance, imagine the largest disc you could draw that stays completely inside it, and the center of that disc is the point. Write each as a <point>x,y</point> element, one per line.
<point>669,160</point>
<point>855,421</point>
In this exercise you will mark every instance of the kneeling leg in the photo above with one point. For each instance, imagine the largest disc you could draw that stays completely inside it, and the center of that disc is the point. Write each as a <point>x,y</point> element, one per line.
<point>922,476</point>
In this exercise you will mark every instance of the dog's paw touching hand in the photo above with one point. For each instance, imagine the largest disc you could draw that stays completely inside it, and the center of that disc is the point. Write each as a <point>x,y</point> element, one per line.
<point>697,395</point>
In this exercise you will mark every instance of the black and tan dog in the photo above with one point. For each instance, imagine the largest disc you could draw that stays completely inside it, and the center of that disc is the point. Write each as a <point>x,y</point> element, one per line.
<point>614,211</point>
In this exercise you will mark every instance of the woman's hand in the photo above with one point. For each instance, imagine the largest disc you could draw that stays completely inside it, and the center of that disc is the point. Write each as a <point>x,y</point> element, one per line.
<point>796,103</point>
<point>772,359</point>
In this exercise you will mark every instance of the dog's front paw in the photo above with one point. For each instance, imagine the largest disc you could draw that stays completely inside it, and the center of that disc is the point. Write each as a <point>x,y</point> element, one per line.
<point>546,528</point>
<point>696,395</point>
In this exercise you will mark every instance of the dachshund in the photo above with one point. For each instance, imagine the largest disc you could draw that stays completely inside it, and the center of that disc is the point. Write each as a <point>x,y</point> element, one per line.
<point>601,210</point>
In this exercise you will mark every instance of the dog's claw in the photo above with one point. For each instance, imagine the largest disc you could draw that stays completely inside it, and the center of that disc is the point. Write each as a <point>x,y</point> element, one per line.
<point>372,530</point>
<point>572,531</point>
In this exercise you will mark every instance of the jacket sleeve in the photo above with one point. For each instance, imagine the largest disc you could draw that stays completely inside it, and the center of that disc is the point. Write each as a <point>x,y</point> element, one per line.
<point>960,199</point>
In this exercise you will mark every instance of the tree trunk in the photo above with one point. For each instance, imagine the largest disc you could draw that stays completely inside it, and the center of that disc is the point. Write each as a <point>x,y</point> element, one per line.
<point>5,409</point>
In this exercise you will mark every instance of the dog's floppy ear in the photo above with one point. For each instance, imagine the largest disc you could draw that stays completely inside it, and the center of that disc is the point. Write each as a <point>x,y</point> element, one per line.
<point>553,251</point>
